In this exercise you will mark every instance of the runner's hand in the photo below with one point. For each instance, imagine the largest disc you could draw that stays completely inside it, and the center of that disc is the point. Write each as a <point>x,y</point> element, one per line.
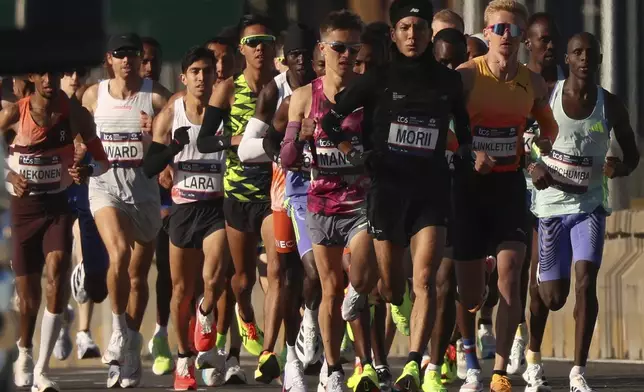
<point>541,178</point>
<point>80,149</point>
<point>146,122</point>
<point>357,158</point>
<point>79,173</point>
<point>483,162</point>
<point>181,136</point>
<point>308,129</point>
<point>544,144</point>
<point>19,183</point>
<point>165,178</point>
<point>614,167</point>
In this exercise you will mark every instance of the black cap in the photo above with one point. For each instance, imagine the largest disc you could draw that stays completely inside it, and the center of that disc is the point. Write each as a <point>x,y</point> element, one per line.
<point>120,41</point>
<point>403,8</point>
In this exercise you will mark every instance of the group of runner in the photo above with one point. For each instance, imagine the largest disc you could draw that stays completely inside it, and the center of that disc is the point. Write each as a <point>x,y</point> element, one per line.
<point>376,148</point>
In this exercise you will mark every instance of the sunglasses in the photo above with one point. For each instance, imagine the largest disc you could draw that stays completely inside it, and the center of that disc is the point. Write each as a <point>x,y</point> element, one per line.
<point>123,53</point>
<point>341,47</point>
<point>253,41</point>
<point>500,29</point>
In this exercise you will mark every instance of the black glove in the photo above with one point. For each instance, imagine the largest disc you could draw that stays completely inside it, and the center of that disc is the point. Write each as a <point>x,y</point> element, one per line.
<point>356,157</point>
<point>180,139</point>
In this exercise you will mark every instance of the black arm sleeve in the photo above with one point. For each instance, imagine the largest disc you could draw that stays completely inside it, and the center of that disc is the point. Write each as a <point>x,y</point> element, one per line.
<point>461,117</point>
<point>272,143</point>
<point>354,96</point>
<point>208,141</point>
<point>158,157</point>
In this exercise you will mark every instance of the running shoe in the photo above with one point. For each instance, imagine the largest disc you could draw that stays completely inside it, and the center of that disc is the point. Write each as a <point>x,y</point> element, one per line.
<point>486,341</point>
<point>268,368</point>
<point>432,382</point>
<point>204,336</point>
<point>184,376</point>
<point>113,376</point>
<point>294,377</point>
<point>160,350</point>
<point>449,368</point>
<point>115,352</point>
<point>473,381</point>
<point>131,369</point>
<point>234,373</point>
<point>385,378</point>
<point>215,375</point>
<point>334,383</point>
<point>578,384</point>
<point>86,348</point>
<point>42,383</point>
<point>353,304</point>
<point>401,314</point>
<point>517,362</point>
<point>535,379</point>
<point>78,284</point>
<point>357,372</point>
<point>63,347</point>
<point>367,381</point>
<point>252,337</point>
<point>324,376</point>
<point>23,368</point>
<point>461,362</point>
<point>500,384</point>
<point>309,341</point>
<point>409,380</point>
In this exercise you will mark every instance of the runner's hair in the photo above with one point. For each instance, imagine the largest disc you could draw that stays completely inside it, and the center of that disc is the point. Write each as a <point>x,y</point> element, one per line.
<point>195,54</point>
<point>341,20</point>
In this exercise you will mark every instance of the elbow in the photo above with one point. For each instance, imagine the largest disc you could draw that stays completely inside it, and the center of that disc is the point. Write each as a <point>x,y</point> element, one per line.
<point>242,153</point>
<point>201,145</point>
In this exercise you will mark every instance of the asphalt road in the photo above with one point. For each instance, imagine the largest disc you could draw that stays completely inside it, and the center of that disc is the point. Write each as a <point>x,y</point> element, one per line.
<point>601,376</point>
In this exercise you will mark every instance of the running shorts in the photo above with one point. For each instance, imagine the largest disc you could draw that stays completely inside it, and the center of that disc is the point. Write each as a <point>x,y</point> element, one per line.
<point>487,211</point>
<point>284,233</point>
<point>40,224</point>
<point>190,223</point>
<point>335,230</point>
<point>246,217</point>
<point>570,238</point>
<point>144,217</point>
<point>396,216</point>
<point>297,212</point>
<point>166,197</point>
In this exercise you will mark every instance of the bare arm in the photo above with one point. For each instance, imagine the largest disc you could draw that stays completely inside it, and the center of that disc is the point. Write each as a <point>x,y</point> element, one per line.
<point>542,113</point>
<point>291,150</point>
<point>617,116</point>
<point>275,135</point>
<point>9,115</point>
<point>90,98</point>
<point>251,147</point>
<point>160,97</point>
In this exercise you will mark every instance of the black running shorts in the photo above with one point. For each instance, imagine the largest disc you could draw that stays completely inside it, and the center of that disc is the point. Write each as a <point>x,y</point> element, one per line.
<point>246,217</point>
<point>190,223</point>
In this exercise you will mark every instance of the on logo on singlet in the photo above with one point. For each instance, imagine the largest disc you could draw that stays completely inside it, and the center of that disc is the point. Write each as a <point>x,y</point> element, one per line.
<point>499,143</point>
<point>413,135</point>
<point>571,173</point>
<point>43,173</point>
<point>123,149</point>
<point>198,181</point>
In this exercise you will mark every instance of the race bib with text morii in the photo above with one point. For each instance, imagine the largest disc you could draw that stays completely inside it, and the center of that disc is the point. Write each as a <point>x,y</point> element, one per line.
<point>43,173</point>
<point>499,143</point>
<point>199,180</point>
<point>123,149</point>
<point>571,173</point>
<point>414,136</point>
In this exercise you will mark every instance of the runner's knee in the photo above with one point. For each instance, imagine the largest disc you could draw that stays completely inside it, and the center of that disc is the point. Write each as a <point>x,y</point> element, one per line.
<point>553,295</point>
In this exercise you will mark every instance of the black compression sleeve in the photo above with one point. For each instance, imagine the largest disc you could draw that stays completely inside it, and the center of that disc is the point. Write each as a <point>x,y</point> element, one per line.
<point>272,143</point>
<point>158,157</point>
<point>461,117</point>
<point>208,141</point>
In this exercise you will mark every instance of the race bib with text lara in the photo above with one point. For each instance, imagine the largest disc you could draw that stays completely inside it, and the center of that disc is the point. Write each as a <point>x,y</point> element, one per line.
<point>123,149</point>
<point>413,135</point>
<point>43,173</point>
<point>198,180</point>
<point>570,173</point>
<point>499,143</point>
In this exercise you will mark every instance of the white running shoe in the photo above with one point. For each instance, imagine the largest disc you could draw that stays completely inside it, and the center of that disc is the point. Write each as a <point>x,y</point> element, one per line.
<point>86,347</point>
<point>535,379</point>
<point>324,376</point>
<point>578,384</point>
<point>115,352</point>
<point>131,369</point>
<point>461,362</point>
<point>211,359</point>
<point>353,304</point>
<point>42,383</point>
<point>473,381</point>
<point>215,376</point>
<point>113,376</point>
<point>63,347</point>
<point>294,377</point>
<point>23,368</point>
<point>335,382</point>
<point>234,373</point>
<point>308,346</point>
<point>517,363</point>
<point>78,284</point>
<point>486,341</point>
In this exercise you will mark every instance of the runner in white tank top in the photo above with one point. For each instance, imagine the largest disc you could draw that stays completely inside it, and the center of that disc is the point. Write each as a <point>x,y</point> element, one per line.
<point>197,224</point>
<point>124,202</point>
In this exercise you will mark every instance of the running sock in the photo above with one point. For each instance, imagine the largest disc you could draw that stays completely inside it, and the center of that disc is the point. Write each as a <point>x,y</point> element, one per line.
<point>118,322</point>
<point>161,330</point>
<point>432,368</point>
<point>221,341</point>
<point>501,373</point>
<point>49,329</point>
<point>415,357</point>
<point>533,358</point>
<point>334,368</point>
<point>291,355</point>
<point>365,361</point>
<point>470,354</point>
<point>575,371</point>
<point>186,355</point>
<point>521,331</point>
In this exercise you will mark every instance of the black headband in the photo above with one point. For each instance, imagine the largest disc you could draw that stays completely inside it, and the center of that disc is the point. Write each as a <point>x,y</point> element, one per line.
<point>401,9</point>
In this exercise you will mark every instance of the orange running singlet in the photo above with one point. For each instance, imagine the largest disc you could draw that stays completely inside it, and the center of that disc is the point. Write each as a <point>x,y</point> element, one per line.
<point>498,113</point>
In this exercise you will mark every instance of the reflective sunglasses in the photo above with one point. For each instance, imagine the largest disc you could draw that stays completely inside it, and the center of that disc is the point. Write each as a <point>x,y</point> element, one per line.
<point>341,47</point>
<point>500,29</point>
<point>123,53</point>
<point>254,40</point>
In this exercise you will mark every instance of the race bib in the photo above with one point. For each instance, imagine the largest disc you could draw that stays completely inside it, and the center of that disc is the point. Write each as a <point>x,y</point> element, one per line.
<point>198,181</point>
<point>43,173</point>
<point>123,149</point>
<point>413,135</point>
<point>499,143</point>
<point>571,173</point>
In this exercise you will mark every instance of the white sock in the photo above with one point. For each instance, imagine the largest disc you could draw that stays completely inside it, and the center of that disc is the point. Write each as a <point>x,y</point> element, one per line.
<point>49,329</point>
<point>161,330</point>
<point>118,322</point>
<point>577,370</point>
<point>432,368</point>
<point>291,355</point>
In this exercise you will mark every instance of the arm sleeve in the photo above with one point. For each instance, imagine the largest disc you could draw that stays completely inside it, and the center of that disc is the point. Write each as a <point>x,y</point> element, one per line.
<point>461,118</point>
<point>158,157</point>
<point>354,96</point>
<point>291,147</point>
<point>251,148</point>
<point>272,143</point>
<point>208,141</point>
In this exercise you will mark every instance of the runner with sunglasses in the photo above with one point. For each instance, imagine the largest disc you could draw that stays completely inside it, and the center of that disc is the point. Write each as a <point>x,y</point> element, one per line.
<point>247,204</point>
<point>336,215</point>
<point>124,201</point>
<point>42,163</point>
<point>501,94</point>
<point>411,108</point>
